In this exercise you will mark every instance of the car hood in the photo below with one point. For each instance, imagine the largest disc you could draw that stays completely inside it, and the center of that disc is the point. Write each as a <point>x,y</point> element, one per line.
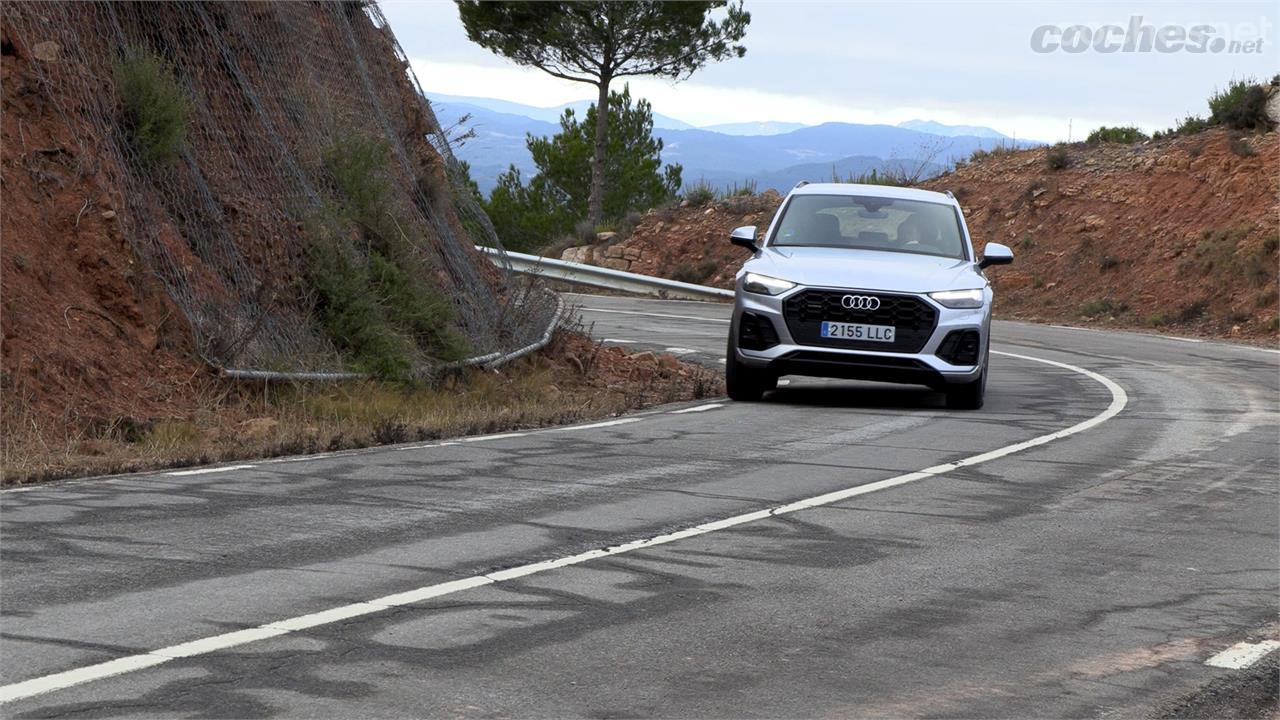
<point>866,269</point>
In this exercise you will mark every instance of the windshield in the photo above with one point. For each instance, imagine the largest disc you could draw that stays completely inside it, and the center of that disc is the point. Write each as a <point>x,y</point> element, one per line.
<point>871,223</point>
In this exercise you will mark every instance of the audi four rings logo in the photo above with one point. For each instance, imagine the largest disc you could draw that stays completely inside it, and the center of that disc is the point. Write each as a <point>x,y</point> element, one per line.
<point>860,302</point>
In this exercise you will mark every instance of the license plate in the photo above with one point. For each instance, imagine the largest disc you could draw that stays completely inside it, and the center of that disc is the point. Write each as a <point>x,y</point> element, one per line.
<point>857,331</point>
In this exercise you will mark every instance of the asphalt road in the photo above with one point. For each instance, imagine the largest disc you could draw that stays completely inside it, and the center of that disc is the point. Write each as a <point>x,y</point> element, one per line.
<point>1090,575</point>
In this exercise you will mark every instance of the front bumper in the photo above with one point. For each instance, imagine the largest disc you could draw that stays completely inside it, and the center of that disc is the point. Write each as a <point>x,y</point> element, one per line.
<point>924,367</point>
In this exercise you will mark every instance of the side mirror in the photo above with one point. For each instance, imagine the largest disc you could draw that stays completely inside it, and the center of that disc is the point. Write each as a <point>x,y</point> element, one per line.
<point>995,254</point>
<point>745,236</point>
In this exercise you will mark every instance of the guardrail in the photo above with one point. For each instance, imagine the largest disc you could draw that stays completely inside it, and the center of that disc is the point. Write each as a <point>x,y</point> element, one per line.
<point>601,277</point>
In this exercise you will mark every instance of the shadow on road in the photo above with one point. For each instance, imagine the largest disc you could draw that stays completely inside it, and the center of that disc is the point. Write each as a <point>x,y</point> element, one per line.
<point>857,395</point>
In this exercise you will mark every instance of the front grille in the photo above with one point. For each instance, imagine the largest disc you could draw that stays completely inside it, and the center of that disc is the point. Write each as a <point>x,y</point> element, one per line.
<point>912,318</point>
<point>756,332</point>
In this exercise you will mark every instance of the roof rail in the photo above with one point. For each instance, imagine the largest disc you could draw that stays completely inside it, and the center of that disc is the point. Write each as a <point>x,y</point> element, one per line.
<point>800,184</point>
<point>948,192</point>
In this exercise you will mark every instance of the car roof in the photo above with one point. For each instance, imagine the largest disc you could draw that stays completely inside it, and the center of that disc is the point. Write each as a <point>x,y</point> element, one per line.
<point>885,191</point>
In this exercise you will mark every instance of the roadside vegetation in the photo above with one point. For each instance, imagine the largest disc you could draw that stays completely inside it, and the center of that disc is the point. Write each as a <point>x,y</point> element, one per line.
<point>529,215</point>
<point>601,41</point>
<point>573,380</point>
<point>154,106</point>
<point>372,292</point>
<point>1122,135</point>
<point>1241,106</point>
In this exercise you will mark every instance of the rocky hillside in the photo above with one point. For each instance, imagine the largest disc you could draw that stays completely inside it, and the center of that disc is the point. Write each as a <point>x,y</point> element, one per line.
<point>168,173</point>
<point>1179,233</point>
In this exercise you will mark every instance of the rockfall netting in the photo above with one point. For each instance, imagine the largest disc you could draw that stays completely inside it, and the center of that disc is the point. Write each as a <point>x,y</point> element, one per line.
<point>229,222</point>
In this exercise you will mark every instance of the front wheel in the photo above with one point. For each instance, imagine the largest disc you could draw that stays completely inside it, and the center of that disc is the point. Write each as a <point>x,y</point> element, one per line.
<point>745,383</point>
<point>970,395</point>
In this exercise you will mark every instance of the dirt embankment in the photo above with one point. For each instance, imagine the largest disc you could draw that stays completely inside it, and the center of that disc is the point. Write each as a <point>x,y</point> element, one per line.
<point>1180,233</point>
<point>89,332</point>
<point>121,281</point>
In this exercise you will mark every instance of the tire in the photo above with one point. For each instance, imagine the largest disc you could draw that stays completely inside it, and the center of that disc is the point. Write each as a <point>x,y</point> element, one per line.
<point>744,383</point>
<point>971,395</point>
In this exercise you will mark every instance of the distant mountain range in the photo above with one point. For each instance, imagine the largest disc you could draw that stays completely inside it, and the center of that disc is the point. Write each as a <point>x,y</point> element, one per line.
<point>769,154</point>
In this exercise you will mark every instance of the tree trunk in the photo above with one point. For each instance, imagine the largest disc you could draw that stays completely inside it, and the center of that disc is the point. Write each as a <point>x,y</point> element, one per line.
<point>595,201</point>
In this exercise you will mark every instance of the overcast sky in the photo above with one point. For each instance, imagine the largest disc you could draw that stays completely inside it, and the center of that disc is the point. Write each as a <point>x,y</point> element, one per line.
<point>884,62</point>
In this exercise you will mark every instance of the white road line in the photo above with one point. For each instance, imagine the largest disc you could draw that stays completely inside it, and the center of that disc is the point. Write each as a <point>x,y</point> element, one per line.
<point>617,341</point>
<point>206,471</point>
<point>699,408</point>
<point>679,351</point>
<point>1242,655</point>
<point>649,314</point>
<point>57,681</point>
<point>606,423</point>
<point>499,436</point>
<point>1181,339</point>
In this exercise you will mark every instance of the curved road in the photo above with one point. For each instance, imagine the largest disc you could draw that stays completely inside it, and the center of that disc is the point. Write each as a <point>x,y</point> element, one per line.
<point>1091,575</point>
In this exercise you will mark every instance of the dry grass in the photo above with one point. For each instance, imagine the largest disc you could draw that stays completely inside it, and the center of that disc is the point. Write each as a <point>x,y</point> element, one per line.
<point>238,421</point>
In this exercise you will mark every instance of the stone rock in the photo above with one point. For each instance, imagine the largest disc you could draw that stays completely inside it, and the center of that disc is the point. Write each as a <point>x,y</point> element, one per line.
<point>631,253</point>
<point>46,51</point>
<point>613,252</point>
<point>577,255</point>
<point>108,214</point>
<point>616,263</point>
<point>605,237</point>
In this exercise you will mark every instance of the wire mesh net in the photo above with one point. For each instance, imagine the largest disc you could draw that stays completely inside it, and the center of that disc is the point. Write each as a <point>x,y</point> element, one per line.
<point>269,89</point>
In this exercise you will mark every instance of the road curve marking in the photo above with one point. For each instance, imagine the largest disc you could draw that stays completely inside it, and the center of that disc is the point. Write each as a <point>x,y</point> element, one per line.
<point>697,409</point>
<point>592,426</point>
<point>202,646</point>
<point>208,470</point>
<point>1242,655</point>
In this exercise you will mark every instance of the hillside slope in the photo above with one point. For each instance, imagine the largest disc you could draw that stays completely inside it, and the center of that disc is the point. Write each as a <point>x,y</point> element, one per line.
<point>1180,232</point>
<point>124,277</point>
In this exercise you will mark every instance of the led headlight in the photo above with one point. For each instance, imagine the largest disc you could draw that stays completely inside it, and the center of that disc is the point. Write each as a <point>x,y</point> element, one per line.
<point>958,298</point>
<point>765,285</point>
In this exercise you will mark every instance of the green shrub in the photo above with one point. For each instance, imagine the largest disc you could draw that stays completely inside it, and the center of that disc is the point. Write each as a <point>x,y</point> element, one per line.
<point>695,273</point>
<point>1104,306</point>
<point>356,165</point>
<point>155,108</point>
<point>352,315</point>
<point>374,295</point>
<point>1123,135</point>
<point>1242,106</point>
<point>1057,158</point>
<point>888,177</point>
<point>1000,148</point>
<point>1192,124</point>
<point>1239,147</point>
<point>700,193</point>
<point>1194,311</point>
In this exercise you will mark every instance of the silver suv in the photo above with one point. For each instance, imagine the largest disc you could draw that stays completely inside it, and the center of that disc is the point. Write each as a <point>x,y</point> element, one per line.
<point>863,282</point>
